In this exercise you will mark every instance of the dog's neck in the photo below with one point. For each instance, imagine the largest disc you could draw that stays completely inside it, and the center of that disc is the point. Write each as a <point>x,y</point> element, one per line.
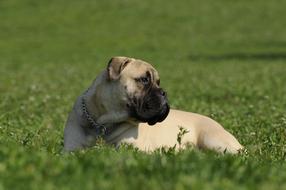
<point>116,126</point>
<point>91,94</point>
<point>92,125</point>
<point>98,102</point>
<point>118,121</point>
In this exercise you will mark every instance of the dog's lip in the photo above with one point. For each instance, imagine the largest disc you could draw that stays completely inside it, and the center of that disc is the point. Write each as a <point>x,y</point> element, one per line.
<point>159,117</point>
<point>148,111</point>
<point>163,114</point>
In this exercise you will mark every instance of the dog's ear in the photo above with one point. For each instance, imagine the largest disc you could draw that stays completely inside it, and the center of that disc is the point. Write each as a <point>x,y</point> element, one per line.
<point>115,67</point>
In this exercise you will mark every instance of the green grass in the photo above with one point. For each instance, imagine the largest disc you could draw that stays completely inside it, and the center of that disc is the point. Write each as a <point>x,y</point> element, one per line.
<point>224,59</point>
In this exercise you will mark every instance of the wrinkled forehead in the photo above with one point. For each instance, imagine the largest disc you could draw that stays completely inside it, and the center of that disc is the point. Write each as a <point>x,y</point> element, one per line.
<point>138,68</point>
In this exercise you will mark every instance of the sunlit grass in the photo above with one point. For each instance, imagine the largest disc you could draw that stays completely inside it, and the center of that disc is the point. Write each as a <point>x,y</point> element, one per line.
<point>223,59</point>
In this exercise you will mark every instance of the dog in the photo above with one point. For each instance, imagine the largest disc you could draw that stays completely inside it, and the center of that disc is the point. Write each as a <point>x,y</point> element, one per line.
<point>125,104</point>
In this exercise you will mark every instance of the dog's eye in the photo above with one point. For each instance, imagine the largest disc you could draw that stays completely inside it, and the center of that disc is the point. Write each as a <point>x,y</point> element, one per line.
<point>143,80</point>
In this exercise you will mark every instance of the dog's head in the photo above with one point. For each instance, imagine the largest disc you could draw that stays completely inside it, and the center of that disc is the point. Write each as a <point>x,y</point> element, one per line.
<point>140,82</point>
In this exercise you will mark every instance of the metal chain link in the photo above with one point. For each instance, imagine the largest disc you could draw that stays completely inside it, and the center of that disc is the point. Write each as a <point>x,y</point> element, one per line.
<point>101,129</point>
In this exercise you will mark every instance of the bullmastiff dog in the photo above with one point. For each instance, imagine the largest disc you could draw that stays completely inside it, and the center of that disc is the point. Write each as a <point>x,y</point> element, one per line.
<point>125,104</point>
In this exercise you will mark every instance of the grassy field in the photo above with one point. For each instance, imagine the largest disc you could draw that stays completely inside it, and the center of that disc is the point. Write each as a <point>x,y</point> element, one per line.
<point>224,59</point>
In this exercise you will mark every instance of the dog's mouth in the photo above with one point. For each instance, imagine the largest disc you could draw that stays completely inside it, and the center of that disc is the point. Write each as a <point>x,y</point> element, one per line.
<point>151,108</point>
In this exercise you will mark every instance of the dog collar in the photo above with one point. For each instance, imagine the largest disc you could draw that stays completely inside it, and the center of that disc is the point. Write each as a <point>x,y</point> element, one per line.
<point>100,129</point>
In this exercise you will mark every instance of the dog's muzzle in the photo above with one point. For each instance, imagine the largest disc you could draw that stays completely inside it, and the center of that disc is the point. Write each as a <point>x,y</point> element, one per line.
<point>151,108</point>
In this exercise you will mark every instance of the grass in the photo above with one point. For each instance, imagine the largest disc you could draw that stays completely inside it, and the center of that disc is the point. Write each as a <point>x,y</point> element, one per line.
<point>224,59</point>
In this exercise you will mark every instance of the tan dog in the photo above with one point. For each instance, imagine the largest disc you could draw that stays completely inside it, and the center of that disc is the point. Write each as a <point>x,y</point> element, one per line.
<point>122,104</point>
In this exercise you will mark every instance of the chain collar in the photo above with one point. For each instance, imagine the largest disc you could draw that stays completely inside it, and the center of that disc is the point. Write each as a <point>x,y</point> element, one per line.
<point>101,130</point>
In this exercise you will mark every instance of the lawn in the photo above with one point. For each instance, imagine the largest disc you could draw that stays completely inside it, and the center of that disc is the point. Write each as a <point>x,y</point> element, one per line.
<point>224,59</point>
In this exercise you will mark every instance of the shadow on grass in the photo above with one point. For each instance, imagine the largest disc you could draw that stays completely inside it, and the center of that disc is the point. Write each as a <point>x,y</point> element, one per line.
<point>268,56</point>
